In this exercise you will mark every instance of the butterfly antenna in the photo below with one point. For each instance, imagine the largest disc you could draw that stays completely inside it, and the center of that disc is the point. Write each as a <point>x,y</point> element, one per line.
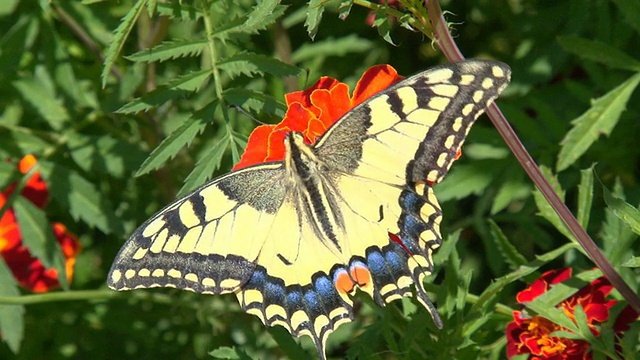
<point>245,113</point>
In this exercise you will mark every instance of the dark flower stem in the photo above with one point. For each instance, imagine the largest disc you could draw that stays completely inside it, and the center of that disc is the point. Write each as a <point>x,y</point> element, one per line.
<point>445,42</point>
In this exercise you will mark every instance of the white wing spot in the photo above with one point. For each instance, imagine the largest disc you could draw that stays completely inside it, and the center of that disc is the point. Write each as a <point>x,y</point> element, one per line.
<point>153,227</point>
<point>457,124</point>
<point>140,253</point>
<point>129,273</point>
<point>448,143</point>
<point>191,277</point>
<point>467,79</point>
<point>116,275</point>
<point>158,273</point>
<point>144,272</point>
<point>477,95</point>
<point>158,242</point>
<point>487,83</point>
<point>467,109</point>
<point>174,273</point>
<point>497,71</point>
<point>440,76</point>
<point>208,282</point>
<point>188,214</point>
<point>442,160</point>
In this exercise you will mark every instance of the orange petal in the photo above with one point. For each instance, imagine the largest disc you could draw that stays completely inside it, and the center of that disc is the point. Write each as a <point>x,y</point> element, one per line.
<point>303,96</point>
<point>333,104</point>
<point>35,189</point>
<point>374,80</point>
<point>256,150</point>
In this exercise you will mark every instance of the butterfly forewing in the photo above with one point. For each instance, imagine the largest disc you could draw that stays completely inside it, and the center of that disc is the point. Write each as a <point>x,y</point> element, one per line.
<point>295,239</point>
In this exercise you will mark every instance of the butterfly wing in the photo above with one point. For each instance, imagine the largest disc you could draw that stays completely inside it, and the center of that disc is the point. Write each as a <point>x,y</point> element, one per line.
<point>293,254</point>
<point>207,241</point>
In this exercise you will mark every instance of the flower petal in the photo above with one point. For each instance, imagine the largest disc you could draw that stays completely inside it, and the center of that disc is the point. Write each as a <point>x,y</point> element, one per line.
<point>374,80</point>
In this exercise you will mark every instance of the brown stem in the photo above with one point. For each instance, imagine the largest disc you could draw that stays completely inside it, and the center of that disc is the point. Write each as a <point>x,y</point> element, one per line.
<point>452,52</point>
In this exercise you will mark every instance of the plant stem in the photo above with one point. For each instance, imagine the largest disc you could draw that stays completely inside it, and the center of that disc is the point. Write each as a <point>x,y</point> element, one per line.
<point>448,46</point>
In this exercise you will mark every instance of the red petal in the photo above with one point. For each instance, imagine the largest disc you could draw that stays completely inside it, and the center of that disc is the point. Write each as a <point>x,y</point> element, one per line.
<point>35,189</point>
<point>374,80</point>
<point>256,149</point>
<point>333,104</point>
<point>542,284</point>
<point>303,97</point>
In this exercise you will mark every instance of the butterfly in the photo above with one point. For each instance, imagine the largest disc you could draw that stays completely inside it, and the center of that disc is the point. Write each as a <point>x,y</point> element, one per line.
<point>294,239</point>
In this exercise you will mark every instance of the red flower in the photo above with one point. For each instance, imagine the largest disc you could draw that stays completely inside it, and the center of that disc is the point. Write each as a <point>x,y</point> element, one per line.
<point>532,334</point>
<point>27,270</point>
<point>312,111</point>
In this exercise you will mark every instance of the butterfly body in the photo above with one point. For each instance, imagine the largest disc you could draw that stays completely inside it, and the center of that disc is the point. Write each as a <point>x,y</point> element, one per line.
<point>294,239</point>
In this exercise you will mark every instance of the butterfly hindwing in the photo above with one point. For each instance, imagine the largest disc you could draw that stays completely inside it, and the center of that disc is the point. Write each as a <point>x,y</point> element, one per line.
<point>294,239</point>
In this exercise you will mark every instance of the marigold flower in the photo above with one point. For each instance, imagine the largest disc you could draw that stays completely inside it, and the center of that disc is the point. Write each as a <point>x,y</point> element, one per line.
<point>27,270</point>
<point>312,111</point>
<point>532,334</point>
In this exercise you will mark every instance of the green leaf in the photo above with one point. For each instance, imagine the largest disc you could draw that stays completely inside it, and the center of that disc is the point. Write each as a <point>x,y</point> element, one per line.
<point>508,251</point>
<point>175,89</point>
<point>599,52</point>
<point>43,99</point>
<point>631,12</point>
<point>332,47</point>
<point>205,166</point>
<point>601,118</point>
<point>382,24</point>
<point>120,36</point>
<point>464,180</point>
<point>617,236</point>
<point>585,196</point>
<point>344,9</point>
<point>250,64</point>
<point>289,347</point>
<point>262,15</point>
<point>179,138</point>
<point>513,189</point>
<point>104,154</point>
<point>11,316</point>
<point>82,199</point>
<point>170,50</point>
<point>37,236</point>
<point>544,208</point>
<point>17,40</point>
<point>623,210</point>
<point>634,262</point>
<point>314,16</point>
<point>255,101</point>
<point>225,352</point>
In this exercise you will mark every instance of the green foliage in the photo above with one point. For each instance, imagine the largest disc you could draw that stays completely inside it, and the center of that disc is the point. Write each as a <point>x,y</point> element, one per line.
<point>126,105</point>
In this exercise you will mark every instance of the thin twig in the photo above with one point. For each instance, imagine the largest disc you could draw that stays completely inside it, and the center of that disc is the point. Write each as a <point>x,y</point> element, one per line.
<point>448,46</point>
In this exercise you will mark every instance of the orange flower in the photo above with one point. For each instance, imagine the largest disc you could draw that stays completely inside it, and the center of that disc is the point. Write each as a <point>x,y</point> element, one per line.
<point>312,111</point>
<point>532,334</point>
<point>27,270</point>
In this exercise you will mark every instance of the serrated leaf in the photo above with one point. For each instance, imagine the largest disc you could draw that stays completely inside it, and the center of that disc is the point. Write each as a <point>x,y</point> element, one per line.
<point>285,342</point>
<point>514,188</point>
<point>544,208</point>
<point>585,196</point>
<point>81,198</point>
<point>11,316</point>
<point>16,41</point>
<point>225,352</point>
<point>43,100</point>
<point>383,25</point>
<point>179,138</point>
<point>104,154</point>
<point>120,36</point>
<point>617,236</point>
<point>250,63</point>
<point>205,166</point>
<point>314,16</point>
<point>601,118</point>
<point>170,50</point>
<point>332,47</point>
<point>599,52</point>
<point>509,253</point>
<point>262,15</point>
<point>255,101</point>
<point>344,9</point>
<point>623,210</point>
<point>464,180</point>
<point>634,262</point>
<point>175,89</point>
<point>37,236</point>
